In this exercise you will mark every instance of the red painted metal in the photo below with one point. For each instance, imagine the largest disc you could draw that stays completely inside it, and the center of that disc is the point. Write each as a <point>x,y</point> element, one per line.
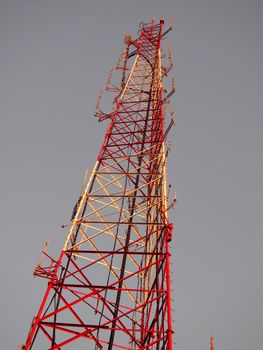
<point>212,343</point>
<point>111,287</point>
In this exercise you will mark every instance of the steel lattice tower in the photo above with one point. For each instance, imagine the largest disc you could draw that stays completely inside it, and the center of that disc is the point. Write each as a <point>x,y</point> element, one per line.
<point>110,287</point>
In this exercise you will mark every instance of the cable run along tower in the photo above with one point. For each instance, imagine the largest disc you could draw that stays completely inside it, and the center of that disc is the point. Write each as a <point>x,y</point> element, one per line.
<point>110,287</point>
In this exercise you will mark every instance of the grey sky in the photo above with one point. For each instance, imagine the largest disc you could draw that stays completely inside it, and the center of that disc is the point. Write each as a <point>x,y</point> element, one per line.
<point>54,57</point>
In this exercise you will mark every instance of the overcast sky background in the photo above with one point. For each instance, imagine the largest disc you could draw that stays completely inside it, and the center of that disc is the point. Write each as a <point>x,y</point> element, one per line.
<point>54,57</point>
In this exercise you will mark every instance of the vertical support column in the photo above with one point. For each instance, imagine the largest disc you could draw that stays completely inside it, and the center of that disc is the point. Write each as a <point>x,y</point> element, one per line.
<point>168,238</point>
<point>169,304</point>
<point>212,343</point>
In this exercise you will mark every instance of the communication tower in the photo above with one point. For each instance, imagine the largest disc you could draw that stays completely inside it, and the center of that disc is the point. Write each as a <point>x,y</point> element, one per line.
<point>110,287</point>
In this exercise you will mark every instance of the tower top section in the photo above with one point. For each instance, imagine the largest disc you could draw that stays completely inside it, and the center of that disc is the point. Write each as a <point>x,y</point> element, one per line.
<point>145,51</point>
